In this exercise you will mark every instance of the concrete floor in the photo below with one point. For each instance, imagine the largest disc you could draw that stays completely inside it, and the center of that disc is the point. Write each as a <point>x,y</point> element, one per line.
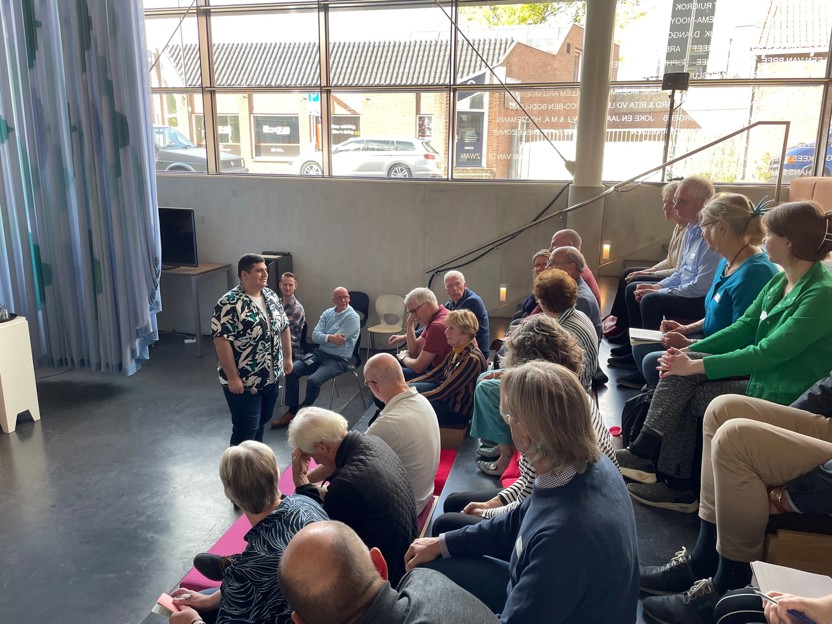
<point>105,501</point>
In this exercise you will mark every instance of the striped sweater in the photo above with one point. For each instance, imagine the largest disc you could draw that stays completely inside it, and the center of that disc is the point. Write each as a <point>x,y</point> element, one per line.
<point>455,378</point>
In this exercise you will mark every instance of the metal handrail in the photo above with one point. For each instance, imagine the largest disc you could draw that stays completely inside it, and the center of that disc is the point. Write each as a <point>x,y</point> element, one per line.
<point>496,242</point>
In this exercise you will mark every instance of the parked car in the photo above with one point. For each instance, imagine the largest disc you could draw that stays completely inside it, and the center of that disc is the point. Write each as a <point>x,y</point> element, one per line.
<point>175,152</point>
<point>377,157</point>
<point>800,161</point>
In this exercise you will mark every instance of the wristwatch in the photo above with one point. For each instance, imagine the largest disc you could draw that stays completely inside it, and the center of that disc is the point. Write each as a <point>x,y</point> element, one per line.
<point>775,495</point>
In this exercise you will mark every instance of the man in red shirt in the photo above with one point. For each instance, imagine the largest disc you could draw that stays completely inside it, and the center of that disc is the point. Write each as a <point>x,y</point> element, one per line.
<point>430,348</point>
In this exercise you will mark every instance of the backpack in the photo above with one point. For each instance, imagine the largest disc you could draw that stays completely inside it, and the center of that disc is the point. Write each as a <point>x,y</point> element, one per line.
<point>633,415</point>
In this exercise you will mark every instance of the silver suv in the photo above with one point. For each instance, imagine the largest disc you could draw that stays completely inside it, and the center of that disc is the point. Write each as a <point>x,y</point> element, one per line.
<point>174,152</point>
<point>391,158</point>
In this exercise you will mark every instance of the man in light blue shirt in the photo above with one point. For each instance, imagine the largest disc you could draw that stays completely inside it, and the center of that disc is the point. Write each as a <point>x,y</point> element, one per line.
<point>336,332</point>
<point>681,294</point>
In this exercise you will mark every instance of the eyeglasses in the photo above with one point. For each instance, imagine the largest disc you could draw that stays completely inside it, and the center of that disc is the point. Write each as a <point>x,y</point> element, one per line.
<point>708,223</point>
<point>416,309</point>
<point>342,297</point>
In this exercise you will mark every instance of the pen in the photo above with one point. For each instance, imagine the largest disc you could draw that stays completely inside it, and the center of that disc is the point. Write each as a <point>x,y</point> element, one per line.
<point>797,615</point>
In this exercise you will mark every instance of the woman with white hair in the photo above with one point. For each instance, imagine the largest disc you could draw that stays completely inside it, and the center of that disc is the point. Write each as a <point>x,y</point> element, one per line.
<point>250,591</point>
<point>570,549</point>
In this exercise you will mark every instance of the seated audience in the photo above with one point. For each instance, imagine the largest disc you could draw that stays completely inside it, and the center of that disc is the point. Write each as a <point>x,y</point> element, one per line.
<point>731,226</point>
<point>250,591</point>
<point>294,310</point>
<point>407,423</point>
<point>658,271</point>
<point>758,458</point>
<point>570,238</point>
<point>330,577</point>
<point>463,298</point>
<point>681,294</point>
<point>539,338</point>
<point>539,263</point>
<point>783,342</point>
<point>429,349</point>
<point>569,552</point>
<point>337,332</point>
<point>369,489</point>
<point>450,386</point>
<point>570,260</point>
<point>557,294</point>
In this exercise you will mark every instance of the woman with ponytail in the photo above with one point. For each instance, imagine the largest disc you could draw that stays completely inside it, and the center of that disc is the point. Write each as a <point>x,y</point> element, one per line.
<point>779,347</point>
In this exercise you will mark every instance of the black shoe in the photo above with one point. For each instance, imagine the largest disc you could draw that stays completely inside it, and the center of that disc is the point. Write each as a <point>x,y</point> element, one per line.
<point>212,566</point>
<point>622,361</point>
<point>626,349</point>
<point>632,380</point>
<point>620,338</point>
<point>636,468</point>
<point>670,578</point>
<point>695,606</point>
<point>663,496</point>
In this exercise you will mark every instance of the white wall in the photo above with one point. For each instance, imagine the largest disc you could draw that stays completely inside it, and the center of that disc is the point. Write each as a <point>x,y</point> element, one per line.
<point>381,236</point>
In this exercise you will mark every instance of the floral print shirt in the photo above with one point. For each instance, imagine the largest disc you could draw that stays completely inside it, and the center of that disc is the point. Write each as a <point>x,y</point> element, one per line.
<point>255,340</point>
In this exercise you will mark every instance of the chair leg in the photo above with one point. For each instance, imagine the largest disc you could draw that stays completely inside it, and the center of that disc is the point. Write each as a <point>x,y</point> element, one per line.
<point>360,389</point>
<point>334,390</point>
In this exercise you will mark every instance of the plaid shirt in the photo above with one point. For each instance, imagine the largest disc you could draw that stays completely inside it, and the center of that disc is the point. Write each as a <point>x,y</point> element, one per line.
<point>297,317</point>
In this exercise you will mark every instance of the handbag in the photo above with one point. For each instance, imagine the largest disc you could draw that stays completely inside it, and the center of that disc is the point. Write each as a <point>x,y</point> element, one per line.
<point>633,415</point>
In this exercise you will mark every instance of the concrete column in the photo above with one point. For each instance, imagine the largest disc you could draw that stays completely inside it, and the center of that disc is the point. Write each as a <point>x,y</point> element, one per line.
<point>592,125</point>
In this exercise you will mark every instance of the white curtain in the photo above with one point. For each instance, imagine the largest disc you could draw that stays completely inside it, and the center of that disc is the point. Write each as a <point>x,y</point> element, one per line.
<point>78,216</point>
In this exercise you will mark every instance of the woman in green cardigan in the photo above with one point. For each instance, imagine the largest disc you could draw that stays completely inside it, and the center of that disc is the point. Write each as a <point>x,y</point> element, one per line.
<point>775,351</point>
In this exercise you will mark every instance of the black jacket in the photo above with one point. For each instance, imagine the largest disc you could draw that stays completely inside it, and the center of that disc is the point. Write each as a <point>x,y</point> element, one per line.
<point>370,492</point>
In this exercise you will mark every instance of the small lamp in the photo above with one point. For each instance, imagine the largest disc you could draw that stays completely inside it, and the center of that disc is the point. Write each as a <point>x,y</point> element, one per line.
<point>605,251</point>
<point>503,293</point>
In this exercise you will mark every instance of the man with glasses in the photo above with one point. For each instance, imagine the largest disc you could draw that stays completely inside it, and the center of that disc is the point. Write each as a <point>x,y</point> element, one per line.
<point>336,333</point>
<point>570,260</point>
<point>430,348</point>
<point>681,295</point>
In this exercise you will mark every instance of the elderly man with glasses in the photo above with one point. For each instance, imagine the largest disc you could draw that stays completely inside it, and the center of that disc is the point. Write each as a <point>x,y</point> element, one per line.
<point>429,349</point>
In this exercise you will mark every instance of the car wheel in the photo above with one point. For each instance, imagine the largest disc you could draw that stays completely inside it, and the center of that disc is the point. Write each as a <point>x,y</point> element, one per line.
<point>399,171</point>
<point>311,168</point>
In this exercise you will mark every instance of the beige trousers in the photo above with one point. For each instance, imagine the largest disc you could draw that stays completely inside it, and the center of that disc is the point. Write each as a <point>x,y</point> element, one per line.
<point>747,445</point>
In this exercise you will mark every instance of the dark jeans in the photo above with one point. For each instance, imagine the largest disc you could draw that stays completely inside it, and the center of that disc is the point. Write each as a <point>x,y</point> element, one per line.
<point>655,306</point>
<point>445,414</point>
<point>324,368</point>
<point>250,413</point>
<point>619,304</point>
<point>485,577</point>
<point>453,518</point>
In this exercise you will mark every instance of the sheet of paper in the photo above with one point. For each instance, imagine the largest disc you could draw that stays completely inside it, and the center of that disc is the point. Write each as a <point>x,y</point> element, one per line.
<point>769,577</point>
<point>644,336</point>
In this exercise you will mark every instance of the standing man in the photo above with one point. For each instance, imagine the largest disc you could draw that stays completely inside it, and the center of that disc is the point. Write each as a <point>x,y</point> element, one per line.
<point>462,298</point>
<point>337,332</point>
<point>254,347</point>
<point>293,308</point>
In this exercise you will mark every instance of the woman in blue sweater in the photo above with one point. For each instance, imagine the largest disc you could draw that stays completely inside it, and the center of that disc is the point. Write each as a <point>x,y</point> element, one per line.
<point>732,226</point>
<point>569,552</point>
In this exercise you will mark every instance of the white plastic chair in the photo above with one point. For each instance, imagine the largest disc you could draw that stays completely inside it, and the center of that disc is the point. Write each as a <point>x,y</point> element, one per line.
<point>390,311</point>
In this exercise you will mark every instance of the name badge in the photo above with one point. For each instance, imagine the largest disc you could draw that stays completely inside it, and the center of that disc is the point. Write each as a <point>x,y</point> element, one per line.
<point>518,546</point>
<point>716,297</point>
<point>763,315</point>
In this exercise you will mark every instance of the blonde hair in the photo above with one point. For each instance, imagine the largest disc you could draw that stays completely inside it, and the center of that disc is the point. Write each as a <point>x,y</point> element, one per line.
<point>315,424</point>
<point>551,405</point>
<point>463,320</point>
<point>669,190</point>
<point>736,212</point>
<point>249,476</point>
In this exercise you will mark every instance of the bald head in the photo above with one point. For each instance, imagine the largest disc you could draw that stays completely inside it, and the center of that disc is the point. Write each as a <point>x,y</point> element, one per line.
<point>341,298</point>
<point>328,575</point>
<point>383,374</point>
<point>565,238</point>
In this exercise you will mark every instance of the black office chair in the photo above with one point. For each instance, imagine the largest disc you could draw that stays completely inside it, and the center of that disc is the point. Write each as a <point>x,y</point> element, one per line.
<point>302,345</point>
<point>353,365</point>
<point>360,302</point>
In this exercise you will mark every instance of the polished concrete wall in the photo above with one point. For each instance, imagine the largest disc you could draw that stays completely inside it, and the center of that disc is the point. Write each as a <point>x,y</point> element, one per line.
<point>382,236</point>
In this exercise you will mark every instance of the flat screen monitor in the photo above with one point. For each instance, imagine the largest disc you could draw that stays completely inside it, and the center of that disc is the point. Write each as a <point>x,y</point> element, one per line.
<point>177,228</point>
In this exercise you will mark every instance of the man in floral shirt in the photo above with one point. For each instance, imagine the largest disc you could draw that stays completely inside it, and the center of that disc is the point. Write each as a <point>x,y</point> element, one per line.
<point>254,347</point>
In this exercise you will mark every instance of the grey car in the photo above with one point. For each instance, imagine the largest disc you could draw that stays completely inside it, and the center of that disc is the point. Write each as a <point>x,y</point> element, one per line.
<point>378,157</point>
<point>174,152</point>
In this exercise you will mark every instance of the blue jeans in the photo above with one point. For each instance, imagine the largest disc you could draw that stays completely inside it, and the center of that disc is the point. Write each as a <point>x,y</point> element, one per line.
<point>324,368</point>
<point>250,413</point>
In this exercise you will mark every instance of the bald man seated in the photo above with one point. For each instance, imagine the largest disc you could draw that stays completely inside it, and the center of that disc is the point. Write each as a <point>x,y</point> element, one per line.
<point>329,577</point>
<point>407,423</point>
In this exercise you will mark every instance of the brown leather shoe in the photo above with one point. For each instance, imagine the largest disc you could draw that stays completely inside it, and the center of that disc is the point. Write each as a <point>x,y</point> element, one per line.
<point>284,420</point>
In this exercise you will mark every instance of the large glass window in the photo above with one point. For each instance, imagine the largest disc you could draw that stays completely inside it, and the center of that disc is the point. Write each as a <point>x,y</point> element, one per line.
<point>496,98</point>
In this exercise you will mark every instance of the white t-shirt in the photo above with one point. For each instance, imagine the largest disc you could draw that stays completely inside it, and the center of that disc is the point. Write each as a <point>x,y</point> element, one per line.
<point>409,426</point>
<point>264,310</point>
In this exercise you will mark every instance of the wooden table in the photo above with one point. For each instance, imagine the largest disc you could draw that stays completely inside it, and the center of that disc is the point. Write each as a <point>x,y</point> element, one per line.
<point>194,274</point>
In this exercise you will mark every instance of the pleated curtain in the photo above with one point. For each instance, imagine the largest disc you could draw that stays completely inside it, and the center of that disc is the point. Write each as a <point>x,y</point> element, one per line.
<point>78,217</point>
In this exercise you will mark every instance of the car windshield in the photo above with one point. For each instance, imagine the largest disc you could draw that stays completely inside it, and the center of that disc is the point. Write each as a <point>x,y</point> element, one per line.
<point>165,136</point>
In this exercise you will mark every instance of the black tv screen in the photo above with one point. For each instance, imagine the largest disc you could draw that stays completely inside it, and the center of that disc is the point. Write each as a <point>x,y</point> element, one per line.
<point>177,228</point>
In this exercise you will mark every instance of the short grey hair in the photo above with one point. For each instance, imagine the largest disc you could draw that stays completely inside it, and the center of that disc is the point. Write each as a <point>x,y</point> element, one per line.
<point>543,252</point>
<point>420,296</point>
<point>249,476</point>
<point>669,190</point>
<point>700,186</point>
<point>574,256</point>
<point>451,274</point>
<point>315,424</point>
